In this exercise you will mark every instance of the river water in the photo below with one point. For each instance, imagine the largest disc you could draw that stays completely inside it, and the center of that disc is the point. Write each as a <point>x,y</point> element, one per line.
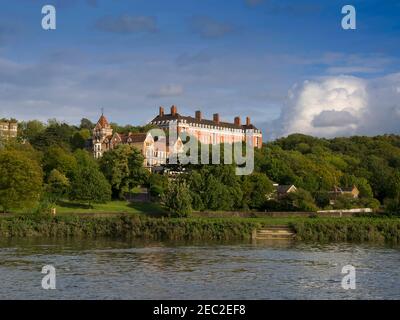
<point>117,269</point>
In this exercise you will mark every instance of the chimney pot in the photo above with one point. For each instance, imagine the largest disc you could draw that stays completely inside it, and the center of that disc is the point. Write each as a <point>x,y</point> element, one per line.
<point>161,111</point>
<point>237,121</point>
<point>216,117</point>
<point>198,115</point>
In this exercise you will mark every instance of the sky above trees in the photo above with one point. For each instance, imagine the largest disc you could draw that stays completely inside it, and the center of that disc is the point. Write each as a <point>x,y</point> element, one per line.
<point>287,64</point>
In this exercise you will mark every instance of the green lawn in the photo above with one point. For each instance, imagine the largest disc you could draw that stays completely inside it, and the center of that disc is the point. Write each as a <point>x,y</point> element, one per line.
<point>111,207</point>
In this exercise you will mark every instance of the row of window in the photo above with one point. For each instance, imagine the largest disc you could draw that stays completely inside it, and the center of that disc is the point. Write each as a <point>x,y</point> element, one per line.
<point>6,127</point>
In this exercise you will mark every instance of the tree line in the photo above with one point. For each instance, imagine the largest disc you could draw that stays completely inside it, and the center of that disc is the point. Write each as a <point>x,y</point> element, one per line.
<point>51,162</point>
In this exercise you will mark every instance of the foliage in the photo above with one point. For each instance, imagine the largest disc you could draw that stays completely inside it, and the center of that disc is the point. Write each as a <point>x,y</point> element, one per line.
<point>123,168</point>
<point>372,164</point>
<point>256,187</point>
<point>348,229</point>
<point>157,184</point>
<point>177,199</point>
<point>56,134</point>
<point>29,130</point>
<point>319,229</point>
<point>88,183</point>
<point>60,159</point>
<point>20,180</point>
<point>128,227</point>
<point>86,124</point>
<point>58,186</point>
<point>393,205</point>
<point>79,139</point>
<point>301,200</point>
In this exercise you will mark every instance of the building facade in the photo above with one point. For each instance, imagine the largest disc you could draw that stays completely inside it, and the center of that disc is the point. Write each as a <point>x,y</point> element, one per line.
<point>206,131</point>
<point>154,152</point>
<point>157,150</point>
<point>352,192</point>
<point>8,128</point>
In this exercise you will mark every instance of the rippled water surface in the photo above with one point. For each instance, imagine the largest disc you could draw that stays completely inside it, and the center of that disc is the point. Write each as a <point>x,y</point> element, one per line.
<point>111,269</point>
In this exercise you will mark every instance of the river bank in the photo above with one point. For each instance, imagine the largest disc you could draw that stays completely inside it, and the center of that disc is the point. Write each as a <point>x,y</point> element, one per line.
<point>357,229</point>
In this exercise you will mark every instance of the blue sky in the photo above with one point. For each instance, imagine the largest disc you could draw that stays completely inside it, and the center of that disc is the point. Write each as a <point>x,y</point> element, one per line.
<point>287,64</point>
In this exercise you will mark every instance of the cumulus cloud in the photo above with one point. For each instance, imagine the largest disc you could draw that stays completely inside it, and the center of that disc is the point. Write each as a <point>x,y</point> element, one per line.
<point>127,24</point>
<point>210,28</point>
<point>342,106</point>
<point>332,118</point>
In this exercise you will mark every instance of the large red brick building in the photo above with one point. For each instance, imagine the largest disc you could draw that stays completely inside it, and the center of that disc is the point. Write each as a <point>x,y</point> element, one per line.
<point>206,131</point>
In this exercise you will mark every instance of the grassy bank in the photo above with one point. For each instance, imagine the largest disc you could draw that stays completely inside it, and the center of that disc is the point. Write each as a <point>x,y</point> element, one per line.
<point>111,207</point>
<point>135,226</point>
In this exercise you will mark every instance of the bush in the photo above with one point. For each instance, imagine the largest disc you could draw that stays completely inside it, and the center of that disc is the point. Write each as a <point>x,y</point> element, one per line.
<point>177,199</point>
<point>392,206</point>
<point>301,200</point>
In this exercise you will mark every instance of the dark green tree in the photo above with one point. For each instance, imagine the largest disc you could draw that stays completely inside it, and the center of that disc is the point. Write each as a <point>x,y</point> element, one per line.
<point>21,180</point>
<point>89,185</point>
<point>177,199</point>
<point>123,168</point>
<point>80,138</point>
<point>29,130</point>
<point>58,158</point>
<point>301,200</point>
<point>58,186</point>
<point>256,187</point>
<point>86,124</point>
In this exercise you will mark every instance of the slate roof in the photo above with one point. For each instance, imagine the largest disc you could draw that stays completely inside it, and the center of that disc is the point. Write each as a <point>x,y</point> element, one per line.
<point>134,137</point>
<point>177,116</point>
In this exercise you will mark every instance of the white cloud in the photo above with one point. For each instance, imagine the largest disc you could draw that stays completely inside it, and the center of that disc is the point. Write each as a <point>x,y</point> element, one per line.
<point>332,118</point>
<point>341,106</point>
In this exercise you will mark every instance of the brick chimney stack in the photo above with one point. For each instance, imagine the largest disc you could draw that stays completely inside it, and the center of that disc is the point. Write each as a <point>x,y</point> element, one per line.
<point>216,118</point>
<point>248,122</point>
<point>237,121</point>
<point>174,110</point>
<point>161,111</point>
<point>198,115</point>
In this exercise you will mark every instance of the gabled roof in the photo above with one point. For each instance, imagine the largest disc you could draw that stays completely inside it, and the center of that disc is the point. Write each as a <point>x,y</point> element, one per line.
<point>137,137</point>
<point>128,137</point>
<point>284,188</point>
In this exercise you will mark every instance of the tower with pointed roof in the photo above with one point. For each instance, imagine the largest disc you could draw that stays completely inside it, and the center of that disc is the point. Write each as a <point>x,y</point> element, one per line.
<point>102,132</point>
